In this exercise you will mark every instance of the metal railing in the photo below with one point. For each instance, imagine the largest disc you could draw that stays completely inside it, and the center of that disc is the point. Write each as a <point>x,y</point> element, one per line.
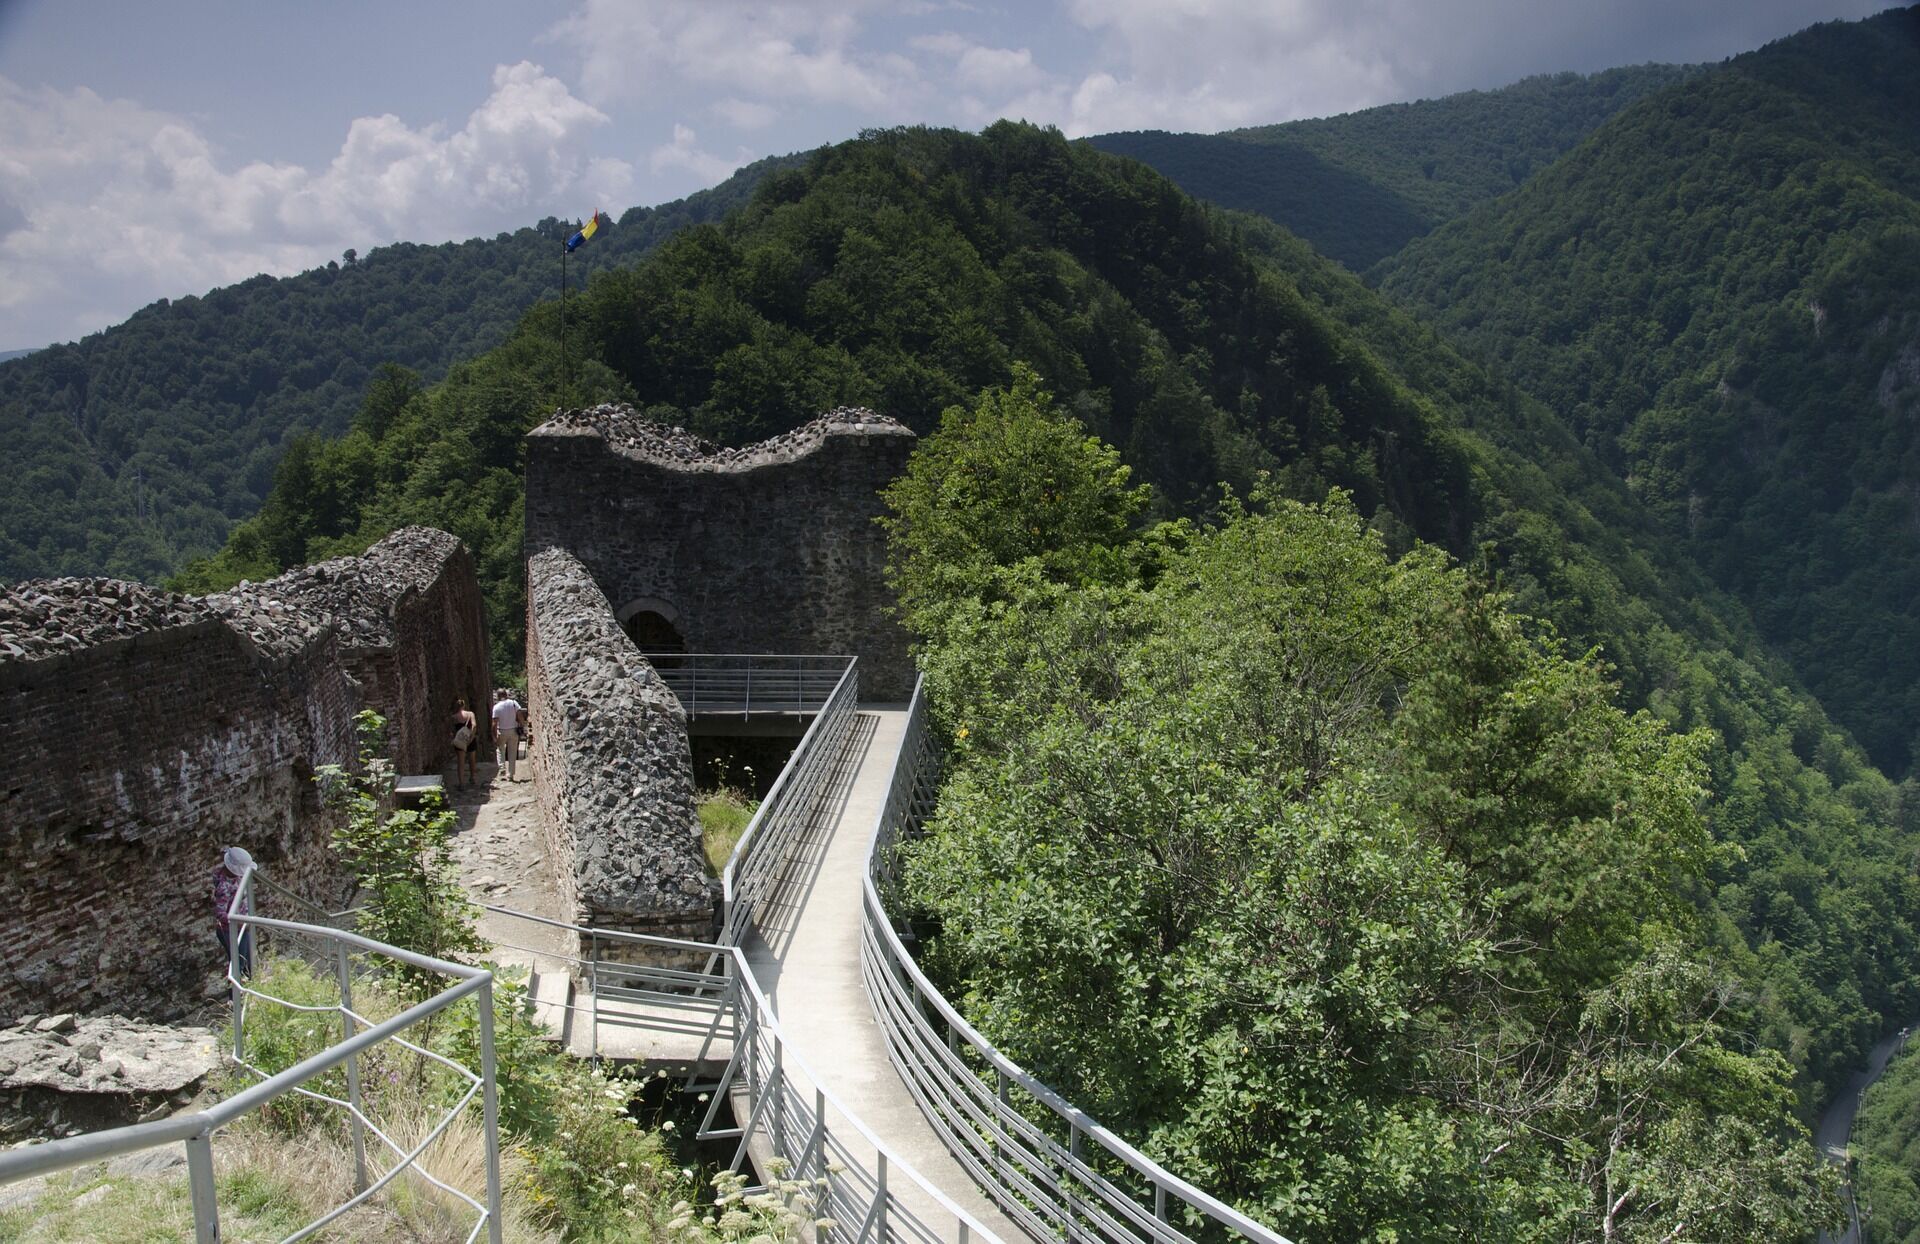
<point>795,1123</point>
<point>359,1035</point>
<point>777,1099</point>
<point>793,806</point>
<point>1051,1167</point>
<point>748,683</point>
<point>656,993</point>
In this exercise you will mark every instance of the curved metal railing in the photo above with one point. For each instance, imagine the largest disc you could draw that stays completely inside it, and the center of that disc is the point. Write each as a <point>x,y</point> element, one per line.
<point>359,1035</point>
<point>792,807</point>
<point>1051,1167</point>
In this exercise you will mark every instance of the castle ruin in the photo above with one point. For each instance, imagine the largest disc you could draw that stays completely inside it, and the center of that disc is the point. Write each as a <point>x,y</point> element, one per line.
<point>769,548</point>
<point>643,537</point>
<point>148,729</point>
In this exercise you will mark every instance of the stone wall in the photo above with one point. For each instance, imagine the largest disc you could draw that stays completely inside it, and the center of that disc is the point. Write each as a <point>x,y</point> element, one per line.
<point>146,730</point>
<point>768,548</point>
<point>413,633</point>
<point>612,772</point>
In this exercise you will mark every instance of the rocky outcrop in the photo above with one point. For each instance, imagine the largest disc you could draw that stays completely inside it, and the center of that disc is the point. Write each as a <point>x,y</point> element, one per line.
<point>64,1074</point>
<point>611,764</point>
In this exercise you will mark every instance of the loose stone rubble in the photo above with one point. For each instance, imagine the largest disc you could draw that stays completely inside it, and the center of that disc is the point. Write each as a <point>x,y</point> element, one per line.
<point>628,433</point>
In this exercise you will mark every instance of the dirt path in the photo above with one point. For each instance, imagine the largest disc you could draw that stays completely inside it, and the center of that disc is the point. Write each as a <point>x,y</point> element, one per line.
<point>503,861</point>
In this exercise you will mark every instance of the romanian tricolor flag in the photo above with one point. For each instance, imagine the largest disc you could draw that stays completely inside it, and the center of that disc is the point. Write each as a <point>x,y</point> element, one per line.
<point>579,239</point>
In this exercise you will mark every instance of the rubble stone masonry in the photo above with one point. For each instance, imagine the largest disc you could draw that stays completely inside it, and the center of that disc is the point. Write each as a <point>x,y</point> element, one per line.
<point>767,548</point>
<point>413,633</point>
<point>612,771</point>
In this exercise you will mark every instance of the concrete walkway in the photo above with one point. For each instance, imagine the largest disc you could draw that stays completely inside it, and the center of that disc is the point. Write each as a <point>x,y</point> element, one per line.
<point>807,959</point>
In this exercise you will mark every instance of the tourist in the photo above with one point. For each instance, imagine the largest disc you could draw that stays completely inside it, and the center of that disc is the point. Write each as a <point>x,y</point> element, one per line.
<point>466,744</point>
<point>234,862</point>
<point>506,731</point>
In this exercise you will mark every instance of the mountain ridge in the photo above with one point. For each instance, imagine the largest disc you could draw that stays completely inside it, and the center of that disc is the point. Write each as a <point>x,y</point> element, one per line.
<point>1717,292</point>
<point>140,445</point>
<point>1361,185</point>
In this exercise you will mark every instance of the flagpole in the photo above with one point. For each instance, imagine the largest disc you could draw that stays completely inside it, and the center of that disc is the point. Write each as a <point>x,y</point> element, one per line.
<point>566,364</point>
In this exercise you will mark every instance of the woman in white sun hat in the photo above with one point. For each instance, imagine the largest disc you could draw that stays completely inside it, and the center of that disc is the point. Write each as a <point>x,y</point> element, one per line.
<point>234,862</point>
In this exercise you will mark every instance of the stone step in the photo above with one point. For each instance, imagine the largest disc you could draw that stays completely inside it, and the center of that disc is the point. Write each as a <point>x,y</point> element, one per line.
<point>551,991</point>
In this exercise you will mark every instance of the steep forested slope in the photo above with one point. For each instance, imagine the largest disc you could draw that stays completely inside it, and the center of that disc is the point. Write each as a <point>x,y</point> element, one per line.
<point>1344,891</point>
<point>910,270</point>
<point>1886,1152</point>
<point>1360,186</point>
<point>136,448</point>
<point>1720,292</point>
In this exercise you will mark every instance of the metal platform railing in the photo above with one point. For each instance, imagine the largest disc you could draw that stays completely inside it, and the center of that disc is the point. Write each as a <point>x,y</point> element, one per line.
<point>749,683</point>
<point>333,949</point>
<point>1051,1167</point>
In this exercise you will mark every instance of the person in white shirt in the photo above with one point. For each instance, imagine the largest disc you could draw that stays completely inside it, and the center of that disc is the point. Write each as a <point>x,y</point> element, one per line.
<point>506,731</point>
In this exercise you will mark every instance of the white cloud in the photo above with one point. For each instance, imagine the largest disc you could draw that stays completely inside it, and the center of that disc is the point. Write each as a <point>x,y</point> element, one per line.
<point>684,152</point>
<point>743,114</point>
<point>771,50</point>
<point>133,204</point>
<point>1218,64</point>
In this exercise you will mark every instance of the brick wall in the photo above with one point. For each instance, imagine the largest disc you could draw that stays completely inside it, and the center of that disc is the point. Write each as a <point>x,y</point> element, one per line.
<point>413,634</point>
<point>146,730</point>
<point>769,548</point>
<point>130,763</point>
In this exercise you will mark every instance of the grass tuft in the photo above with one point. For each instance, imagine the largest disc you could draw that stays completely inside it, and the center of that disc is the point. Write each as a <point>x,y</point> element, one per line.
<point>724,815</point>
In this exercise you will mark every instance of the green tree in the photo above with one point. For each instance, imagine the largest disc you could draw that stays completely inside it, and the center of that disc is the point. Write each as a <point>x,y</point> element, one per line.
<point>1007,479</point>
<point>1344,893</point>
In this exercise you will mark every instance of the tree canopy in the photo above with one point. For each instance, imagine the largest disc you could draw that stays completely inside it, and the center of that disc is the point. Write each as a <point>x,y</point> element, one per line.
<point>1719,292</point>
<point>1362,185</point>
<point>1338,886</point>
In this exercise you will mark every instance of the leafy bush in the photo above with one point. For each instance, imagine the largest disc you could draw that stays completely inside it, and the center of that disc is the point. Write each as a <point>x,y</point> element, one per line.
<point>410,892</point>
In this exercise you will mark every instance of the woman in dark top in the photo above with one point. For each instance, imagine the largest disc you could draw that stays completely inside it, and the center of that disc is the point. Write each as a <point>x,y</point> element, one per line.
<point>466,740</point>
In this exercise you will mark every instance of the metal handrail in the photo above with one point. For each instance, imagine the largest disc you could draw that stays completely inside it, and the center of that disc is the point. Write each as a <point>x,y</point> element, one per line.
<point>964,1085</point>
<point>763,1068</point>
<point>747,683</point>
<point>196,1130</point>
<point>792,807</point>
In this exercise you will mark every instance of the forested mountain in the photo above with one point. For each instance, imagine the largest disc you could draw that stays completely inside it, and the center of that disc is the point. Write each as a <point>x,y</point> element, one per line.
<point>136,448</point>
<point>1720,293</point>
<point>912,269</point>
<point>1362,185</point>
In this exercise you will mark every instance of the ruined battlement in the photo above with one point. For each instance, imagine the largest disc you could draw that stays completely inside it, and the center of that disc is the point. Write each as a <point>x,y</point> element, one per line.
<point>148,729</point>
<point>632,435</point>
<point>412,631</point>
<point>770,547</point>
<point>612,769</point>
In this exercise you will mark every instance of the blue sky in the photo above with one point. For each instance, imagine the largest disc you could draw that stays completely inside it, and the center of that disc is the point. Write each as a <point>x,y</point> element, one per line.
<point>152,150</point>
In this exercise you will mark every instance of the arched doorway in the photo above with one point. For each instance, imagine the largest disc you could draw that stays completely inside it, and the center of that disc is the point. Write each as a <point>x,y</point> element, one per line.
<point>653,626</point>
